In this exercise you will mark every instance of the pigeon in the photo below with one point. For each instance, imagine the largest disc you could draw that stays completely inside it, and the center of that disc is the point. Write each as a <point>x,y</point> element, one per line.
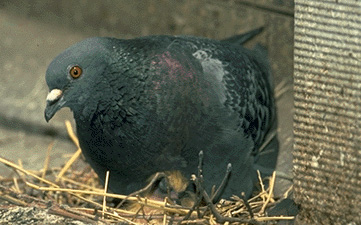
<point>151,104</point>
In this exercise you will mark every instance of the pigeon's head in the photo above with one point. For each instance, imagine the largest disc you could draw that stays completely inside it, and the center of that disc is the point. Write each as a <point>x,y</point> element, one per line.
<point>74,76</point>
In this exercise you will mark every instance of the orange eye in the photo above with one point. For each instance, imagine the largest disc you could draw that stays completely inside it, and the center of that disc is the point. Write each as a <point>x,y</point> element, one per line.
<point>75,72</point>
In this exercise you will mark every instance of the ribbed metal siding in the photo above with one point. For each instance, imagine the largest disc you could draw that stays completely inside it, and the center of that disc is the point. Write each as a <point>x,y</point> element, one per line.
<point>327,88</point>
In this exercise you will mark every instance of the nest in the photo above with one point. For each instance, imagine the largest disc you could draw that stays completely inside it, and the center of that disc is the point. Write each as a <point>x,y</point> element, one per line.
<point>77,195</point>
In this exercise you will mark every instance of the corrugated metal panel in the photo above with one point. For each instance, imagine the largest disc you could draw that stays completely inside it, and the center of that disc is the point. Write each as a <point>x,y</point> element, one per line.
<point>327,78</point>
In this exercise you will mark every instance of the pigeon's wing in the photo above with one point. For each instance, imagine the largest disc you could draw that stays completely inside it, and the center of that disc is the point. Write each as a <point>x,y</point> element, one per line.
<point>249,92</point>
<point>241,83</point>
<point>239,80</point>
<point>257,110</point>
<point>241,39</point>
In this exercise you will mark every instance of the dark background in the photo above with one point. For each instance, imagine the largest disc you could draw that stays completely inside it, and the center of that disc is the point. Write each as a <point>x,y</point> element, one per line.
<point>32,33</point>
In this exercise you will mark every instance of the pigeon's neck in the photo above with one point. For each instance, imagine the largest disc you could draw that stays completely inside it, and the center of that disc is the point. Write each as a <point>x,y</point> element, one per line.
<point>94,105</point>
<point>112,110</point>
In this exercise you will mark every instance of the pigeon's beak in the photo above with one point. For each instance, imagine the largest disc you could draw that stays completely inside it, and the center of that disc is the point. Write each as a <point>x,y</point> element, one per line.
<point>54,102</point>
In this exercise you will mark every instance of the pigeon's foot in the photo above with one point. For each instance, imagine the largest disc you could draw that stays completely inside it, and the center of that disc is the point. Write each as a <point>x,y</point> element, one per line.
<point>172,185</point>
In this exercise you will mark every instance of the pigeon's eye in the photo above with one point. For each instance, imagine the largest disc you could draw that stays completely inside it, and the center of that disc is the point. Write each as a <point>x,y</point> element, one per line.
<point>75,72</point>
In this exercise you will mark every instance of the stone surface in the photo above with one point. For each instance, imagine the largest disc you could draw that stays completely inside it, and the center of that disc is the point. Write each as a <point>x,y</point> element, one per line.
<point>34,215</point>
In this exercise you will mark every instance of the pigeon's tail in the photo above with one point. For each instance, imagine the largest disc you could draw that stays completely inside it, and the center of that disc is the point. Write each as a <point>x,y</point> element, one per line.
<point>286,207</point>
<point>261,53</point>
<point>241,39</point>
